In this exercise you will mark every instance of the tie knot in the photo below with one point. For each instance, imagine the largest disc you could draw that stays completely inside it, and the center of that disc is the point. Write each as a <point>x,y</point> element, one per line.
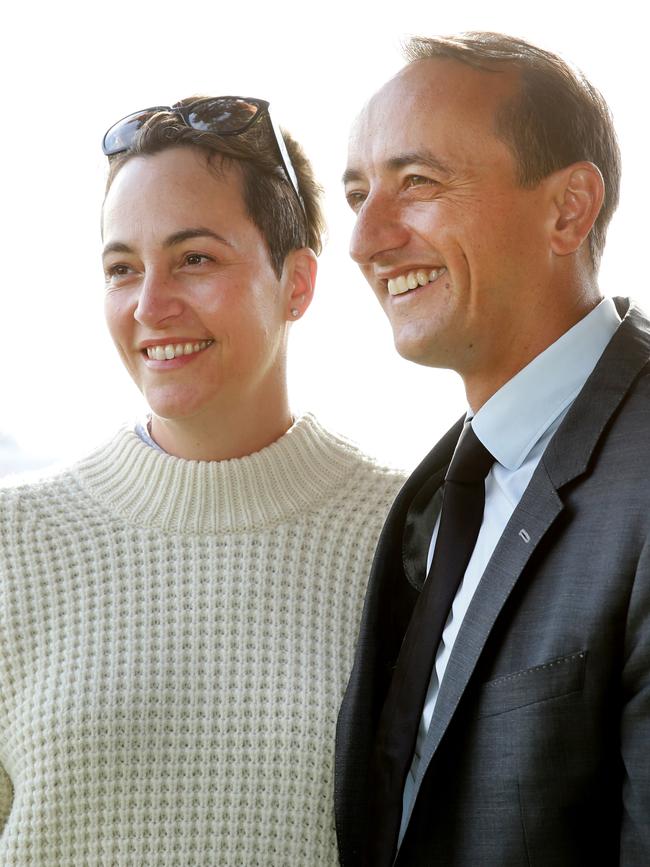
<point>471,461</point>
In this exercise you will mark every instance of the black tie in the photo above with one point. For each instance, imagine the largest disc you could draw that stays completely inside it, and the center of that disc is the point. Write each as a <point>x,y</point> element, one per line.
<point>460,521</point>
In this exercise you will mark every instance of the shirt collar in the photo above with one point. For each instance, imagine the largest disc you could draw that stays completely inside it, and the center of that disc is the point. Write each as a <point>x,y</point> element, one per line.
<point>517,415</point>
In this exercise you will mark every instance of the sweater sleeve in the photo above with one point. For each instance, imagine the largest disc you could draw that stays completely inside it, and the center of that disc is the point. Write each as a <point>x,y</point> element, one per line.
<point>6,797</point>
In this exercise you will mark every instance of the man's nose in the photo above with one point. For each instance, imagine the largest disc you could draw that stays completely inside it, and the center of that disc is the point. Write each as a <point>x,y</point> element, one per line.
<point>160,298</point>
<point>379,228</point>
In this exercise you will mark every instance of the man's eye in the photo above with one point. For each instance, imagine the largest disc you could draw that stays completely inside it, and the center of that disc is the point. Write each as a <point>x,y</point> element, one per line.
<point>196,259</point>
<point>418,181</point>
<point>355,199</point>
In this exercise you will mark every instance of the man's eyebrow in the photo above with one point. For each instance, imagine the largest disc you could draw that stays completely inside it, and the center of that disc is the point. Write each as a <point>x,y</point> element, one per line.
<point>170,241</point>
<point>198,232</point>
<point>420,158</point>
<point>351,175</point>
<point>410,158</point>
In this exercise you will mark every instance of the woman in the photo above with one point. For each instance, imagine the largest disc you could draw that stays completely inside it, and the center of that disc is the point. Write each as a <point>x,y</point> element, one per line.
<point>178,609</point>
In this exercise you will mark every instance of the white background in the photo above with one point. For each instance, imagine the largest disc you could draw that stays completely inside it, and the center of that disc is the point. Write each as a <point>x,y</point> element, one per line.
<point>68,70</point>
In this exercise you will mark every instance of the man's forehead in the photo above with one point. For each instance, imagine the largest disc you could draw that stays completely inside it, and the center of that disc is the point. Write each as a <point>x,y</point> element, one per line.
<point>426,84</point>
<point>398,91</point>
<point>427,93</point>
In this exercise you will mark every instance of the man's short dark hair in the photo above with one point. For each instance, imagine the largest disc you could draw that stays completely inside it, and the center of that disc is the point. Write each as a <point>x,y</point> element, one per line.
<point>557,118</point>
<point>269,197</point>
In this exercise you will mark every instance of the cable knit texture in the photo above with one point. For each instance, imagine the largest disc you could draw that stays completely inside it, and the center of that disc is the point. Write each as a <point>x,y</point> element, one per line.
<point>175,639</point>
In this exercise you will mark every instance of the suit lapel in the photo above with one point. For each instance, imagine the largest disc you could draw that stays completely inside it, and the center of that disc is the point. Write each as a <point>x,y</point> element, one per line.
<point>390,599</point>
<point>387,610</point>
<point>530,522</point>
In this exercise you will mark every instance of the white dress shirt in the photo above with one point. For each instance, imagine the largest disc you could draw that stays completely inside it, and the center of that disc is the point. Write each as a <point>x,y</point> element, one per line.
<point>515,425</point>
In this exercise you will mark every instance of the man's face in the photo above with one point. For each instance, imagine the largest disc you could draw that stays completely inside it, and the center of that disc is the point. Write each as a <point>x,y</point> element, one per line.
<point>454,248</point>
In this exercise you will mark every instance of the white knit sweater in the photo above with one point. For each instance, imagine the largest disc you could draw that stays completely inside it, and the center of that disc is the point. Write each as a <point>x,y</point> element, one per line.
<point>175,638</point>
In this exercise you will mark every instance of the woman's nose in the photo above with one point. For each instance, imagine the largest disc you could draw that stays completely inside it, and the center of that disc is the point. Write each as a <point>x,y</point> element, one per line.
<point>159,298</point>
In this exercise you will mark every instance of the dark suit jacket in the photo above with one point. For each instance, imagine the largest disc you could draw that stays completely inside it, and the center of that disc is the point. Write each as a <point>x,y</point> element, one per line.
<point>539,748</point>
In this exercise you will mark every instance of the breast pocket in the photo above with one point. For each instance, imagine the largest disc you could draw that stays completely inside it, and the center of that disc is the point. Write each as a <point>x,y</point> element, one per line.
<point>553,679</point>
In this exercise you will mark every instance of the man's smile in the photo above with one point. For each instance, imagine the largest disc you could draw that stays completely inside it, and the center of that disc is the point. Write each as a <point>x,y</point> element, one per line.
<point>413,279</point>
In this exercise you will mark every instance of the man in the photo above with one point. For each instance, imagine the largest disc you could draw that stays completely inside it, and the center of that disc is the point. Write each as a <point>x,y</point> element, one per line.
<point>498,712</point>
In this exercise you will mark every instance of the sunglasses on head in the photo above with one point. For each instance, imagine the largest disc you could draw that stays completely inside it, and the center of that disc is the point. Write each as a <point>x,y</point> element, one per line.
<point>222,115</point>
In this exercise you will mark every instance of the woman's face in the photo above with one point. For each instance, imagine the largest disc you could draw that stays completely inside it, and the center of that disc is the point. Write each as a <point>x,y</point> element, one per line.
<point>192,303</point>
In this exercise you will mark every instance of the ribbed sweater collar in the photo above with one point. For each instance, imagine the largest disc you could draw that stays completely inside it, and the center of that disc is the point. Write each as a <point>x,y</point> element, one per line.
<point>157,490</point>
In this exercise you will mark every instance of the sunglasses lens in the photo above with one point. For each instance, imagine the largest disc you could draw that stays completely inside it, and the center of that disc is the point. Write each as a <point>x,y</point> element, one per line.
<point>121,135</point>
<point>222,115</point>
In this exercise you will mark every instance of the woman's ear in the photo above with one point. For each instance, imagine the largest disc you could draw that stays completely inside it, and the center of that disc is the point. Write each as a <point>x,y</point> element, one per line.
<point>299,276</point>
<point>578,193</point>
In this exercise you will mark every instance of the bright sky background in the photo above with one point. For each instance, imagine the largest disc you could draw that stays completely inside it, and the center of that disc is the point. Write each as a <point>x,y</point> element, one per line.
<point>69,70</point>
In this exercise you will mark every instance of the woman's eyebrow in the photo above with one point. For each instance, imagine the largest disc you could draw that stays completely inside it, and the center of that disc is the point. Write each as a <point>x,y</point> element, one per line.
<point>116,247</point>
<point>170,240</point>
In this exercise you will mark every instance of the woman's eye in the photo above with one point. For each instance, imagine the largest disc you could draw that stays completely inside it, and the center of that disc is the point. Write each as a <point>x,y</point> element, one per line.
<point>116,271</point>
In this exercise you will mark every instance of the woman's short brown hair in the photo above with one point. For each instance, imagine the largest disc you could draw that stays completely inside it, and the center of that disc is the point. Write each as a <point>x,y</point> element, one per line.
<point>269,197</point>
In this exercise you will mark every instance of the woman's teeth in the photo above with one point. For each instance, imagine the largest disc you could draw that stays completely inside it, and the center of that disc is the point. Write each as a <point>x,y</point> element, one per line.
<point>174,350</point>
<point>401,284</point>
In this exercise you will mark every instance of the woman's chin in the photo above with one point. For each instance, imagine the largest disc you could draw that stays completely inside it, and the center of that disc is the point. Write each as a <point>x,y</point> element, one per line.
<point>174,407</point>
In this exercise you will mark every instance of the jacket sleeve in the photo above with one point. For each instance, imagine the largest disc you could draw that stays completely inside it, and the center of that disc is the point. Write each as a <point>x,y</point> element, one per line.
<point>635,722</point>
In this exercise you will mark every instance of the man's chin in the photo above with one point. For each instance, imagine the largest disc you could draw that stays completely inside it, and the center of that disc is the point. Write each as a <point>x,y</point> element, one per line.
<point>422,352</point>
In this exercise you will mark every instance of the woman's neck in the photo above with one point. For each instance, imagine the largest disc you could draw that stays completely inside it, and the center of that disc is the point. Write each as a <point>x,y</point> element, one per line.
<point>235,433</point>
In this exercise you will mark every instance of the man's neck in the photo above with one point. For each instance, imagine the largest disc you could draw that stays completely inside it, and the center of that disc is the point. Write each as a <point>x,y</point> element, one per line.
<point>522,347</point>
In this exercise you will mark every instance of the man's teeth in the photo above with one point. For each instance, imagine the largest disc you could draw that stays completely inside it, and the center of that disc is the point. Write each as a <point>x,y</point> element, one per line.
<point>401,284</point>
<point>174,350</point>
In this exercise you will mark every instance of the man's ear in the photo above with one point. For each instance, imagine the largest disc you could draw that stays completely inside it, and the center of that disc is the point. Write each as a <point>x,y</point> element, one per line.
<point>578,193</point>
<point>299,278</point>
